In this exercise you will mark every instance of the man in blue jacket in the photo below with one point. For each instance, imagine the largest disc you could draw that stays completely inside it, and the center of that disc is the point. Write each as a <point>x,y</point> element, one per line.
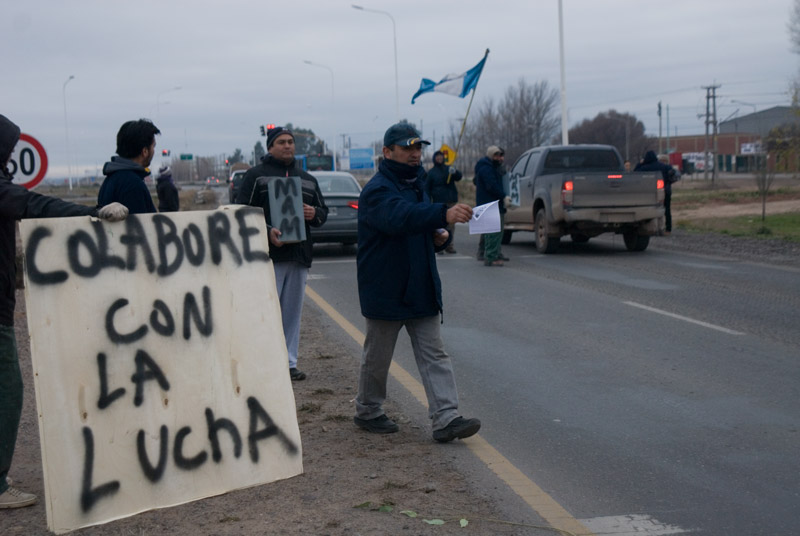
<point>651,163</point>
<point>489,187</point>
<point>399,231</point>
<point>125,173</point>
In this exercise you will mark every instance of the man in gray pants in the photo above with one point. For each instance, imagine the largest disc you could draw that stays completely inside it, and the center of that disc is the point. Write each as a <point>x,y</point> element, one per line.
<point>399,231</point>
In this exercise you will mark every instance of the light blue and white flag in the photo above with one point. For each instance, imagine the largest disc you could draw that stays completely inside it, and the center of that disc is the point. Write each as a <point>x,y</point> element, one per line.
<point>453,84</point>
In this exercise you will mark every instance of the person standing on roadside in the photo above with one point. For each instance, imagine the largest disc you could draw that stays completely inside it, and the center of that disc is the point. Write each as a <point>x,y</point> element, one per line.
<point>17,203</point>
<point>399,231</point>
<point>290,261</point>
<point>489,187</point>
<point>668,173</point>
<point>168,199</point>
<point>440,185</point>
<point>125,173</point>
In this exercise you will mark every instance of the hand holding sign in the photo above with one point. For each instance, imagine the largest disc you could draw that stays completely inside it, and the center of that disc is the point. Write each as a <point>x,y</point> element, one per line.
<point>459,213</point>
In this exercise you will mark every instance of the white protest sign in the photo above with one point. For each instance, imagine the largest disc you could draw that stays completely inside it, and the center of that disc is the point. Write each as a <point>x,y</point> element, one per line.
<point>159,361</point>
<point>485,218</point>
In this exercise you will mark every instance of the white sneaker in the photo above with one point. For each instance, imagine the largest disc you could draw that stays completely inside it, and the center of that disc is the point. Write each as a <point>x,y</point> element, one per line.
<point>14,498</point>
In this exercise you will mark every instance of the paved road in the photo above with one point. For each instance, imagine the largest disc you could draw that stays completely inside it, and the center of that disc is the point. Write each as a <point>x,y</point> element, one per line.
<point>657,389</point>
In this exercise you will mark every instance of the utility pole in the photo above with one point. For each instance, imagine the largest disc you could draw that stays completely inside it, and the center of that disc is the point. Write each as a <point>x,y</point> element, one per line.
<point>711,120</point>
<point>659,127</point>
<point>716,138</point>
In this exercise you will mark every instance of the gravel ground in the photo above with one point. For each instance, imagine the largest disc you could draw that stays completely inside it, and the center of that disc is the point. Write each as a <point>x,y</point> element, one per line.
<point>771,251</point>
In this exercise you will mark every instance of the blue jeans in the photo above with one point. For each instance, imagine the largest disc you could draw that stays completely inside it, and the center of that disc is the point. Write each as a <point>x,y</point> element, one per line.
<point>10,400</point>
<point>290,278</point>
<point>435,368</point>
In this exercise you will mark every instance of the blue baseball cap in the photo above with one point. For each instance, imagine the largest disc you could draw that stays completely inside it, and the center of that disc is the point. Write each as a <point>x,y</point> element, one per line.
<point>402,134</point>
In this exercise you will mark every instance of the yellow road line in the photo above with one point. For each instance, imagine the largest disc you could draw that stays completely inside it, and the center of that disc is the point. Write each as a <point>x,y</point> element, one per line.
<point>524,487</point>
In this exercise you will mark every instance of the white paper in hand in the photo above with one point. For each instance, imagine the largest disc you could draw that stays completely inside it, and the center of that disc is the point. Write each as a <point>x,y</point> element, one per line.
<point>485,219</point>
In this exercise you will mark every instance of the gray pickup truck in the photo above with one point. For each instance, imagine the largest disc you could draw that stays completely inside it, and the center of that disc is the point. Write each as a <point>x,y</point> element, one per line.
<point>582,191</point>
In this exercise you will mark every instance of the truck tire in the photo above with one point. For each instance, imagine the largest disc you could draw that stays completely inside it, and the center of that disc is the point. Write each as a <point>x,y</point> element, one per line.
<point>544,242</point>
<point>635,242</point>
<point>506,237</point>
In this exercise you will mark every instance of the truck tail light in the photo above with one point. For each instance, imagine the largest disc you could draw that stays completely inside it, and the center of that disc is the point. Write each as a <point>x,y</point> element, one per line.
<point>660,191</point>
<point>615,176</point>
<point>353,204</point>
<point>566,193</point>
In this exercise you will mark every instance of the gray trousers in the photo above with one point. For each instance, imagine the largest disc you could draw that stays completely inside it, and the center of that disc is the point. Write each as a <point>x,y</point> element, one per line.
<point>435,368</point>
<point>290,278</point>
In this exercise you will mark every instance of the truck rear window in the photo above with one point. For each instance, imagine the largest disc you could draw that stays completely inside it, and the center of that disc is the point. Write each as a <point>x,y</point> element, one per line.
<point>581,160</point>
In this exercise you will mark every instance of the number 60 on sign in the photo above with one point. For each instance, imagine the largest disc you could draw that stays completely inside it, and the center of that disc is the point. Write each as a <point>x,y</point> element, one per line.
<point>28,163</point>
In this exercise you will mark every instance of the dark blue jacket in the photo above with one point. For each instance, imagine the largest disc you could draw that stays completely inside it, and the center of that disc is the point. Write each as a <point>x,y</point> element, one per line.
<point>489,182</point>
<point>437,187</point>
<point>651,163</point>
<point>397,274</point>
<point>124,183</point>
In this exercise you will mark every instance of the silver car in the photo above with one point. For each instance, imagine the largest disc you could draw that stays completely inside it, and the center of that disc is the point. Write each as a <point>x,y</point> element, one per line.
<point>340,190</point>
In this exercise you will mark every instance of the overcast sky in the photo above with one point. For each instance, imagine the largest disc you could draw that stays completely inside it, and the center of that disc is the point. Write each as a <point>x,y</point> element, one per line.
<point>240,64</point>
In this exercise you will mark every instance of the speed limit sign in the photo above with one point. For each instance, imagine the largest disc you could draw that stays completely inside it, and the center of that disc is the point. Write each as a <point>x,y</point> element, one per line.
<point>28,163</point>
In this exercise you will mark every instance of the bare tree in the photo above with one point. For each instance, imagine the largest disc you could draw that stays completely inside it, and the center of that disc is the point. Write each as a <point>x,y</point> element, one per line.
<point>527,115</point>
<point>524,118</point>
<point>794,26</point>
<point>623,131</point>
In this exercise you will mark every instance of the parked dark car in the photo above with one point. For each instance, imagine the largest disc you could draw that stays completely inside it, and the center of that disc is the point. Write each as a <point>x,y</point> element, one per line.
<point>341,191</point>
<point>235,184</point>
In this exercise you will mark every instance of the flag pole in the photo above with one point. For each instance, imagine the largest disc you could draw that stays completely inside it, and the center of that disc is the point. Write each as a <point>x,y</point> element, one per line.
<point>464,122</point>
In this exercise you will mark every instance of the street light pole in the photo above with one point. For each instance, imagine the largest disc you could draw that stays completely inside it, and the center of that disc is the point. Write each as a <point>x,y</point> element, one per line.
<point>66,131</point>
<point>394,33</point>
<point>564,119</point>
<point>333,113</point>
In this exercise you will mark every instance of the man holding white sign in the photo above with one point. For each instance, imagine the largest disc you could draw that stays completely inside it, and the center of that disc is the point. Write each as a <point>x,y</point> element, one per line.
<point>291,260</point>
<point>399,231</point>
<point>17,203</point>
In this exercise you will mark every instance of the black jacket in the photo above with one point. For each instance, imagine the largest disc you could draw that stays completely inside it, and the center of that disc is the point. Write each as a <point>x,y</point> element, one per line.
<point>249,194</point>
<point>651,163</point>
<point>437,187</point>
<point>17,203</point>
<point>168,200</point>
<point>489,182</point>
<point>124,183</point>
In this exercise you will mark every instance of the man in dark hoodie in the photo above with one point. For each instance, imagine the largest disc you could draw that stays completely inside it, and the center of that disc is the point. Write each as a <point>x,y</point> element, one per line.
<point>440,185</point>
<point>399,286</point>
<point>168,199</point>
<point>290,261</point>
<point>668,173</point>
<point>125,173</point>
<point>17,203</point>
<point>489,187</point>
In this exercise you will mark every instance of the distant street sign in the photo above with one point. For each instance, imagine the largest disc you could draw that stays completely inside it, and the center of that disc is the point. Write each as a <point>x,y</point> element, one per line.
<point>449,154</point>
<point>186,157</point>
<point>361,159</point>
<point>28,162</point>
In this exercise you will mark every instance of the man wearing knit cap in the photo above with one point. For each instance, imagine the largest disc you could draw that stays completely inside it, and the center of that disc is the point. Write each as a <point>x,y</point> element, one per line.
<point>489,187</point>
<point>398,286</point>
<point>290,261</point>
<point>168,200</point>
<point>440,185</point>
<point>17,203</point>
